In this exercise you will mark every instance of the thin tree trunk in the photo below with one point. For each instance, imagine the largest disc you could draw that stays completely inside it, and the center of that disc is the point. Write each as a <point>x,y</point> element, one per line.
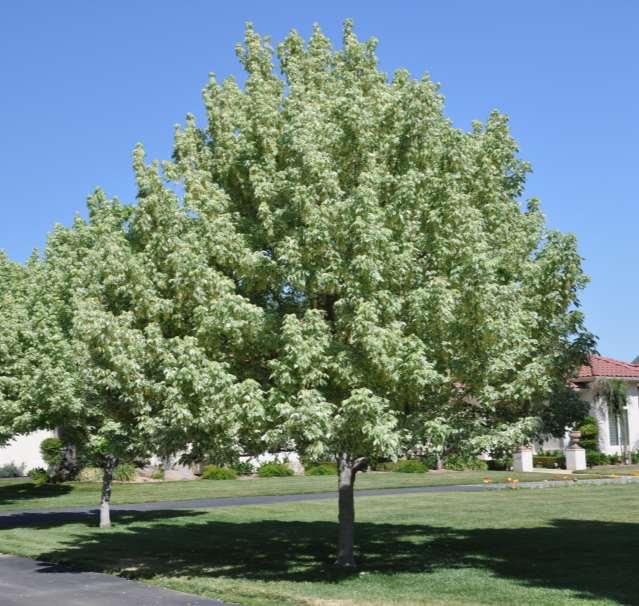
<point>107,483</point>
<point>440,462</point>
<point>347,470</point>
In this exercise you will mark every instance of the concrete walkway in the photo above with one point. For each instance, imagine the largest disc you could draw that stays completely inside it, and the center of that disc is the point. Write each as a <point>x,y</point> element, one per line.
<point>25,582</point>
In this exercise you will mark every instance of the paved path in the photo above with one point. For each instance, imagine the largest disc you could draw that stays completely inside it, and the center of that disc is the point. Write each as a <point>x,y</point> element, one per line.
<point>25,582</point>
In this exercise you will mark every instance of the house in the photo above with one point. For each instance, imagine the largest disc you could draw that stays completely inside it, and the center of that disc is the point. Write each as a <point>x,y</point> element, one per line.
<point>612,434</point>
<point>24,450</point>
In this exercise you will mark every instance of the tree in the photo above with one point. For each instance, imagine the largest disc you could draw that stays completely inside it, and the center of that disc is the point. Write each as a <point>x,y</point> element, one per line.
<point>130,301</point>
<point>63,383</point>
<point>12,342</point>
<point>388,251</point>
<point>328,264</point>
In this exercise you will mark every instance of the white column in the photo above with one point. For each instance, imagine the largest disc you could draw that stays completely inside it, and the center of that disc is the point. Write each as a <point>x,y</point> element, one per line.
<point>523,459</point>
<point>575,458</point>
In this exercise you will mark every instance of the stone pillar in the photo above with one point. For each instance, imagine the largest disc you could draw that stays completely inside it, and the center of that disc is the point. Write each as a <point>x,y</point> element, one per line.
<point>575,458</point>
<point>523,459</point>
<point>575,454</point>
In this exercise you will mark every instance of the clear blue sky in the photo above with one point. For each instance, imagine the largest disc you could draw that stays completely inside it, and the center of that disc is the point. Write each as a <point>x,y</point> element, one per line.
<point>82,82</point>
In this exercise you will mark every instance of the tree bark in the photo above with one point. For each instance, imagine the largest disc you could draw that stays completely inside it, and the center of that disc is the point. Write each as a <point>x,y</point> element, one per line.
<point>347,470</point>
<point>107,483</point>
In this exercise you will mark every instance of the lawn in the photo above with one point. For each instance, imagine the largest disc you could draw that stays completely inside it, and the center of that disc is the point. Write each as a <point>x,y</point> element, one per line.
<point>611,470</point>
<point>21,494</point>
<point>573,545</point>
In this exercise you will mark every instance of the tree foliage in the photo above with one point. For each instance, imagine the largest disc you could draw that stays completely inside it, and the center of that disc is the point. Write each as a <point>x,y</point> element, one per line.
<point>12,344</point>
<point>326,264</point>
<point>388,250</point>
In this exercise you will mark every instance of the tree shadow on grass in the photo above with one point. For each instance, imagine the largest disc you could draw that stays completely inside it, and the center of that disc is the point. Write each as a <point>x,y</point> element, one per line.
<point>23,491</point>
<point>53,519</point>
<point>594,559</point>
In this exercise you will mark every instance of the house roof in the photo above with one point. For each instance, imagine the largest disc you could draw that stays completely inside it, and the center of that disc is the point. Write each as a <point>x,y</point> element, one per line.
<point>601,366</point>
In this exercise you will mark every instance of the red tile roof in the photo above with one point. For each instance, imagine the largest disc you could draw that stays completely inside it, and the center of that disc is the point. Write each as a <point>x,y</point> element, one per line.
<point>600,366</point>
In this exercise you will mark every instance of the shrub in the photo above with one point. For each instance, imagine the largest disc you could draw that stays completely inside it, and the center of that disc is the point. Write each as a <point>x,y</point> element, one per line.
<point>634,457</point>
<point>589,444</point>
<point>90,474</point>
<point>214,472</point>
<point>410,466</point>
<point>244,468</point>
<point>157,474</point>
<point>480,465</point>
<point>321,469</point>
<point>615,459</point>
<point>500,464</point>
<point>594,457</point>
<point>124,472</point>
<point>51,451</point>
<point>383,466</point>
<point>430,460</point>
<point>11,470</point>
<point>589,434</point>
<point>550,460</point>
<point>274,470</point>
<point>459,463</point>
<point>38,476</point>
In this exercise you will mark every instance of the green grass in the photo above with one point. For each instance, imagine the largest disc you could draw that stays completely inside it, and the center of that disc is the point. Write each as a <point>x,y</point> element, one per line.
<point>611,470</point>
<point>566,546</point>
<point>22,494</point>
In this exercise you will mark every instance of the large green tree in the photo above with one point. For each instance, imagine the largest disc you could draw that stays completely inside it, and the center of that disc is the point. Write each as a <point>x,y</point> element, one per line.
<point>328,263</point>
<point>127,335</point>
<point>399,274</point>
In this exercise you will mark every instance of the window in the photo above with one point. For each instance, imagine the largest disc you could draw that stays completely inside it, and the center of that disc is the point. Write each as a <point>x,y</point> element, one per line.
<point>617,427</point>
<point>613,428</point>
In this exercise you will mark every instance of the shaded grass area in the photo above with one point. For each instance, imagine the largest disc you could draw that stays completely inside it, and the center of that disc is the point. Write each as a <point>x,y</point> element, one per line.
<point>22,494</point>
<point>574,545</point>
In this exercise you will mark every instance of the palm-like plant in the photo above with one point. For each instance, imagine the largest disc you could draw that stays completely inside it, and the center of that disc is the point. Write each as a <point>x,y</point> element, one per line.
<point>615,393</point>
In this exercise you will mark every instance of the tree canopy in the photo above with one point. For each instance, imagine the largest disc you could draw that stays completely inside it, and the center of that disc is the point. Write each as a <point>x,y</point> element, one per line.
<point>399,274</point>
<point>328,263</point>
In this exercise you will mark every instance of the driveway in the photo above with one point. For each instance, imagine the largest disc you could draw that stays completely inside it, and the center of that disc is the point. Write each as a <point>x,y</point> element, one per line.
<point>25,582</point>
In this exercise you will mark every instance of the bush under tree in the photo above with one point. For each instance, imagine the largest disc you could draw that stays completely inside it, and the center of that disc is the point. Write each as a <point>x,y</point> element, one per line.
<point>214,472</point>
<point>274,470</point>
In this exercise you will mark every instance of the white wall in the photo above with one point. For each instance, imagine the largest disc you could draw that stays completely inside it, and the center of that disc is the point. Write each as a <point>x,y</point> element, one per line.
<point>633,417</point>
<point>292,458</point>
<point>25,449</point>
<point>599,410</point>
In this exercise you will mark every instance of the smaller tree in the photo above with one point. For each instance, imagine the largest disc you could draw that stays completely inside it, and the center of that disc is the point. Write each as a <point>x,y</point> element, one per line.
<point>589,434</point>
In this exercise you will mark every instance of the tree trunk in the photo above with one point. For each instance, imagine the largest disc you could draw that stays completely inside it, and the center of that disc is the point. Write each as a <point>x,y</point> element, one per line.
<point>440,462</point>
<point>68,468</point>
<point>107,483</point>
<point>347,469</point>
